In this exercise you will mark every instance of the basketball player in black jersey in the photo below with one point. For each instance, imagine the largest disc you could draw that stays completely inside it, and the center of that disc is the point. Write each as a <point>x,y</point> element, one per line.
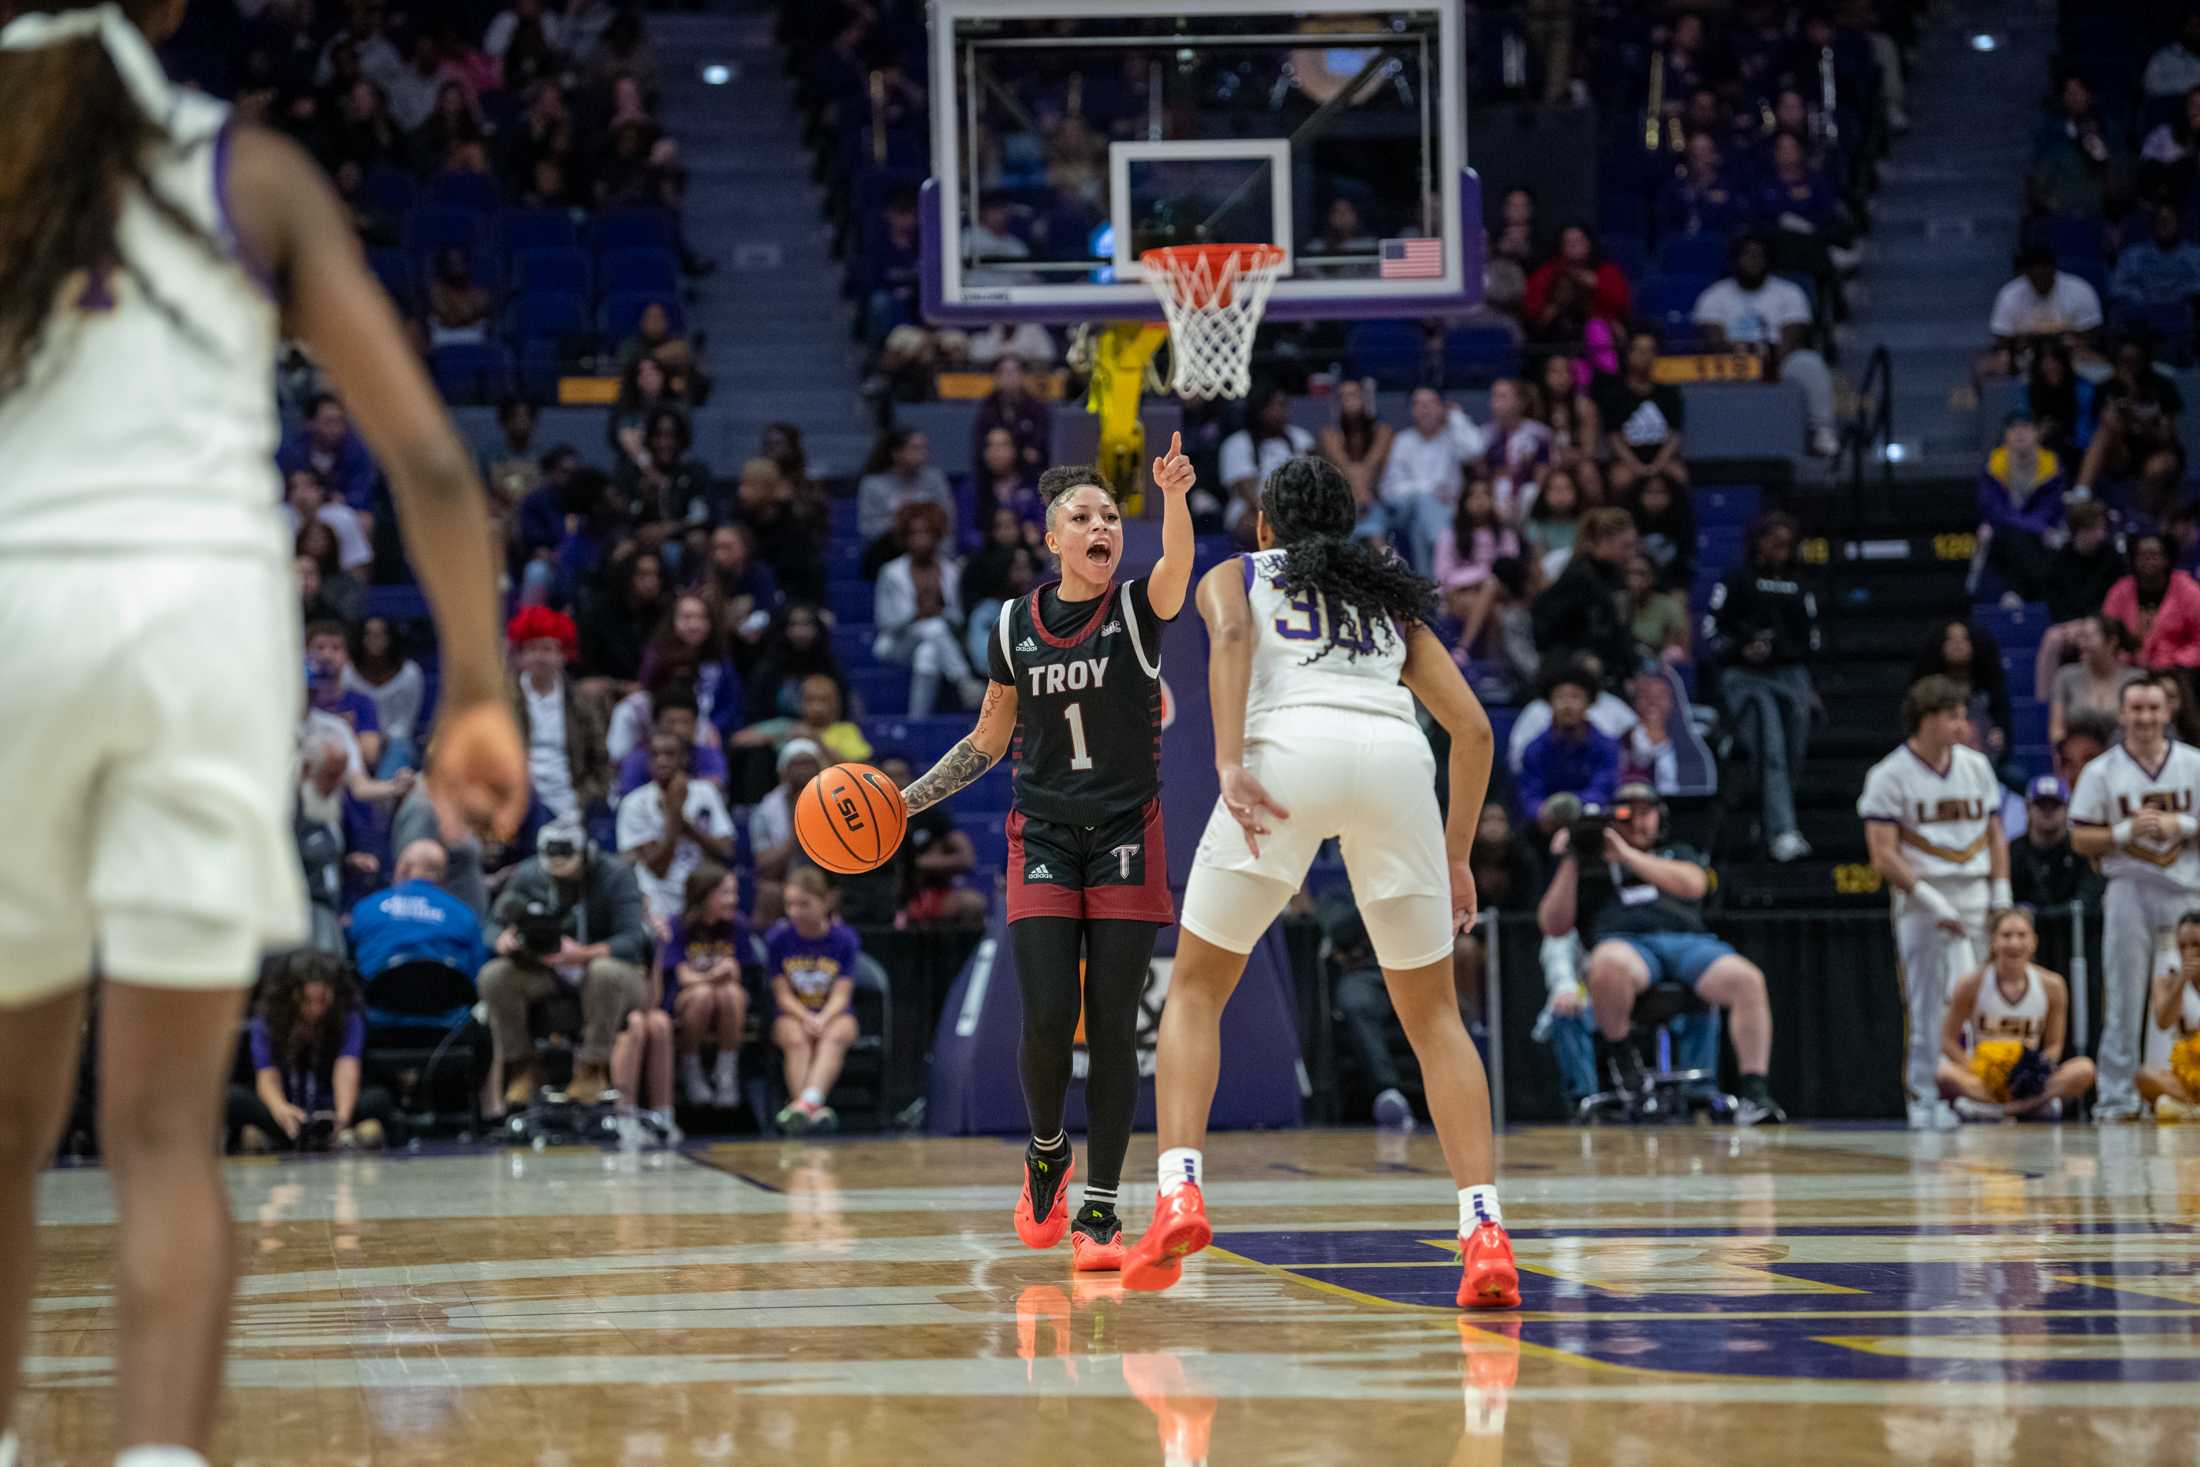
<point>1075,672</point>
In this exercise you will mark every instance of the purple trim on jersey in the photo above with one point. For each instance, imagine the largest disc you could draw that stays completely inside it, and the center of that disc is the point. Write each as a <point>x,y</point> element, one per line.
<point>1920,758</point>
<point>1099,614</point>
<point>2169,747</point>
<point>261,275</point>
<point>1248,560</point>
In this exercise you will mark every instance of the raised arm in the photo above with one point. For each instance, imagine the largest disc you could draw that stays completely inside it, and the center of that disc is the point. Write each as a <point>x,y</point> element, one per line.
<point>1431,676</point>
<point>1172,574</point>
<point>971,757</point>
<point>292,223</point>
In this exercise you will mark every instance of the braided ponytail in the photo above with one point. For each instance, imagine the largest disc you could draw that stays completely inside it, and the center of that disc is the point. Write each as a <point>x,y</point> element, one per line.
<point>1309,506</point>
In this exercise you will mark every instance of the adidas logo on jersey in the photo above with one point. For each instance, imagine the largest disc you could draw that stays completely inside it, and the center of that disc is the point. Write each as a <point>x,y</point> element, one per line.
<point>1039,873</point>
<point>1027,645</point>
<point>1111,629</point>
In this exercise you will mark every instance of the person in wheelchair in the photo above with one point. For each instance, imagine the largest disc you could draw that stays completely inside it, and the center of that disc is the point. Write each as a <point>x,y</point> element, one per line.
<point>1637,898</point>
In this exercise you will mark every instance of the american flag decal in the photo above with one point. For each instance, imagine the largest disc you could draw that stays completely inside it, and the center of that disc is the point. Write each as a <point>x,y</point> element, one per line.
<point>1411,259</point>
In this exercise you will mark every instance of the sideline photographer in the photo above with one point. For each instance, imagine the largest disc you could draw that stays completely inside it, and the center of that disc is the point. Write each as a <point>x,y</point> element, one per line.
<point>1640,910</point>
<point>572,918</point>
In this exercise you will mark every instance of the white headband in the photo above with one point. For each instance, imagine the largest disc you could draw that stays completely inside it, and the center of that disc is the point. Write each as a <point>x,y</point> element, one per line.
<point>126,45</point>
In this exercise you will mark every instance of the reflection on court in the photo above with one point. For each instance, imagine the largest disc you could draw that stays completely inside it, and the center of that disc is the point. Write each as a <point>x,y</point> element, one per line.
<point>1853,1295</point>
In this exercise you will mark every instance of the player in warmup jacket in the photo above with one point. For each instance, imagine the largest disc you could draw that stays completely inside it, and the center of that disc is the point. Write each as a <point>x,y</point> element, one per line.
<point>2174,1089</point>
<point>1075,675</point>
<point>1931,824</point>
<point>2018,1015</point>
<point>2133,811</point>
<point>154,251</point>
<point>1320,646</point>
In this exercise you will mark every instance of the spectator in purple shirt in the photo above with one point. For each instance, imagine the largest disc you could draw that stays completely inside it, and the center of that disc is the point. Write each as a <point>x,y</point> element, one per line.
<point>812,958</point>
<point>327,445</point>
<point>1571,756</point>
<point>674,713</point>
<point>308,1035</point>
<point>702,960</point>
<point>328,653</point>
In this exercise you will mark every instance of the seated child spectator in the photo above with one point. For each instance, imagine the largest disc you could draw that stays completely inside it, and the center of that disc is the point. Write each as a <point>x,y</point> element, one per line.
<point>2017,1016</point>
<point>1467,554</point>
<point>704,991</point>
<point>308,1034</point>
<point>812,960</point>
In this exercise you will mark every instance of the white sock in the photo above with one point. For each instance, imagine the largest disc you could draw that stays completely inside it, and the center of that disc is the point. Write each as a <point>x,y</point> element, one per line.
<point>1059,1141</point>
<point>1104,1196</point>
<point>1179,1164</point>
<point>1478,1205</point>
<point>724,1068</point>
<point>7,1449</point>
<point>813,1097</point>
<point>160,1457</point>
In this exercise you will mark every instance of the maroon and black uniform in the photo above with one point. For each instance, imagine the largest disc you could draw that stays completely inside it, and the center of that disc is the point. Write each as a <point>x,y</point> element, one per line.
<point>1084,839</point>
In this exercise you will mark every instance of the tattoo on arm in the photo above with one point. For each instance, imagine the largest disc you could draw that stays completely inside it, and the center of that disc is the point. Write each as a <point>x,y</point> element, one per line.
<point>957,767</point>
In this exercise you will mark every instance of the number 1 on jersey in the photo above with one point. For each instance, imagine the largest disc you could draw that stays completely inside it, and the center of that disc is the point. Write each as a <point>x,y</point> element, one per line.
<point>1079,756</point>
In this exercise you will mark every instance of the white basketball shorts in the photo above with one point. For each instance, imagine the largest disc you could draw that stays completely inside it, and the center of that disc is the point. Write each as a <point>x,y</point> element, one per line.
<point>1370,781</point>
<point>147,769</point>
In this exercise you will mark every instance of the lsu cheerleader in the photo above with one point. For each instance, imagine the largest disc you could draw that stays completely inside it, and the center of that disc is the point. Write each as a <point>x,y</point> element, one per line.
<point>2174,1090</point>
<point>2017,1014</point>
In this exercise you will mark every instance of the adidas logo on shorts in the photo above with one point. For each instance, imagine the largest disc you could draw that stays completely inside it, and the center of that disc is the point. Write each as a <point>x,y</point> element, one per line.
<point>1027,645</point>
<point>1039,873</point>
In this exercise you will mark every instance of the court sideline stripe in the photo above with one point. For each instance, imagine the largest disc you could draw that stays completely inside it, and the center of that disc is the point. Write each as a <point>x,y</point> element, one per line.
<point>702,1160</point>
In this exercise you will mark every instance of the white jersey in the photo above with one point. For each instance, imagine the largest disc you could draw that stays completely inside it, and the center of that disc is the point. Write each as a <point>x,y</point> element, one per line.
<point>1993,1016</point>
<point>1942,817</point>
<point>147,419</point>
<point>1287,631</point>
<point>2116,787</point>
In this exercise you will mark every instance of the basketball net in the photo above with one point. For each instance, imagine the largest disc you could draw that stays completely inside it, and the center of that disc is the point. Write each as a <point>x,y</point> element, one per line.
<point>1213,296</point>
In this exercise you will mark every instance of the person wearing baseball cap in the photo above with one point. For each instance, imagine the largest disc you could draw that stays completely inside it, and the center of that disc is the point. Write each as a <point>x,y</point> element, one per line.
<point>2043,871</point>
<point>771,826</point>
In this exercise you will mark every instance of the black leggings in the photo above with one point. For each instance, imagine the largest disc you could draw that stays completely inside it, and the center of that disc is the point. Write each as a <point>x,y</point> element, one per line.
<point>1117,957</point>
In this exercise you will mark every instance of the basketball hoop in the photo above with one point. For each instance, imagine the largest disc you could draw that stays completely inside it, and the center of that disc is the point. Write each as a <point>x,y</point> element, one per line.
<point>1213,296</point>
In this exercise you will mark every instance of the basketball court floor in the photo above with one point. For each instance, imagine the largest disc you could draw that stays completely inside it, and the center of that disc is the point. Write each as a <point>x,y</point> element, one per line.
<point>1801,1295</point>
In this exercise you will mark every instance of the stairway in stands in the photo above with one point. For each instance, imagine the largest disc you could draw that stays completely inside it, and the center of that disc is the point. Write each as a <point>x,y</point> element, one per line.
<point>778,328</point>
<point>1944,225</point>
<point>1888,570</point>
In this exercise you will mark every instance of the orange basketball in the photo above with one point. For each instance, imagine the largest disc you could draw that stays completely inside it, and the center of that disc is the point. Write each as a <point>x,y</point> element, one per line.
<point>850,819</point>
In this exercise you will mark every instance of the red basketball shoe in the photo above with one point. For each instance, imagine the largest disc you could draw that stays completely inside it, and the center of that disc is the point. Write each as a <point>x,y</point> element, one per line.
<point>1042,1211</point>
<point>1096,1239</point>
<point>1179,1227</point>
<point>1488,1277</point>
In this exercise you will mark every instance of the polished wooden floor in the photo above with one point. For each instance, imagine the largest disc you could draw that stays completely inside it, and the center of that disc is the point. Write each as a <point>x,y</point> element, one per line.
<point>2026,1294</point>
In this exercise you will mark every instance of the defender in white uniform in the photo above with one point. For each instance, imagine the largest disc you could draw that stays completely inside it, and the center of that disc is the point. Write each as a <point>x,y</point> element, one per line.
<point>149,642</point>
<point>2134,809</point>
<point>1930,821</point>
<point>1319,649</point>
<point>1994,1015</point>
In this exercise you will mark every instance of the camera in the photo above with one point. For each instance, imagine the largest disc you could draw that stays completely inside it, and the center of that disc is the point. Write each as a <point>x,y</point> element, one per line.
<point>541,930</point>
<point>1586,831</point>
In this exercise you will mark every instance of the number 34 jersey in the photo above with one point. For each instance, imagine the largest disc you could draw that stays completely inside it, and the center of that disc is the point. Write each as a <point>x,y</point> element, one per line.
<point>1359,667</point>
<point>1087,676</point>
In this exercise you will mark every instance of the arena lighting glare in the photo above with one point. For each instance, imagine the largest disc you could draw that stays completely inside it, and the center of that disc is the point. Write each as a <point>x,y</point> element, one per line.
<point>1983,42</point>
<point>1895,453</point>
<point>717,74</point>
